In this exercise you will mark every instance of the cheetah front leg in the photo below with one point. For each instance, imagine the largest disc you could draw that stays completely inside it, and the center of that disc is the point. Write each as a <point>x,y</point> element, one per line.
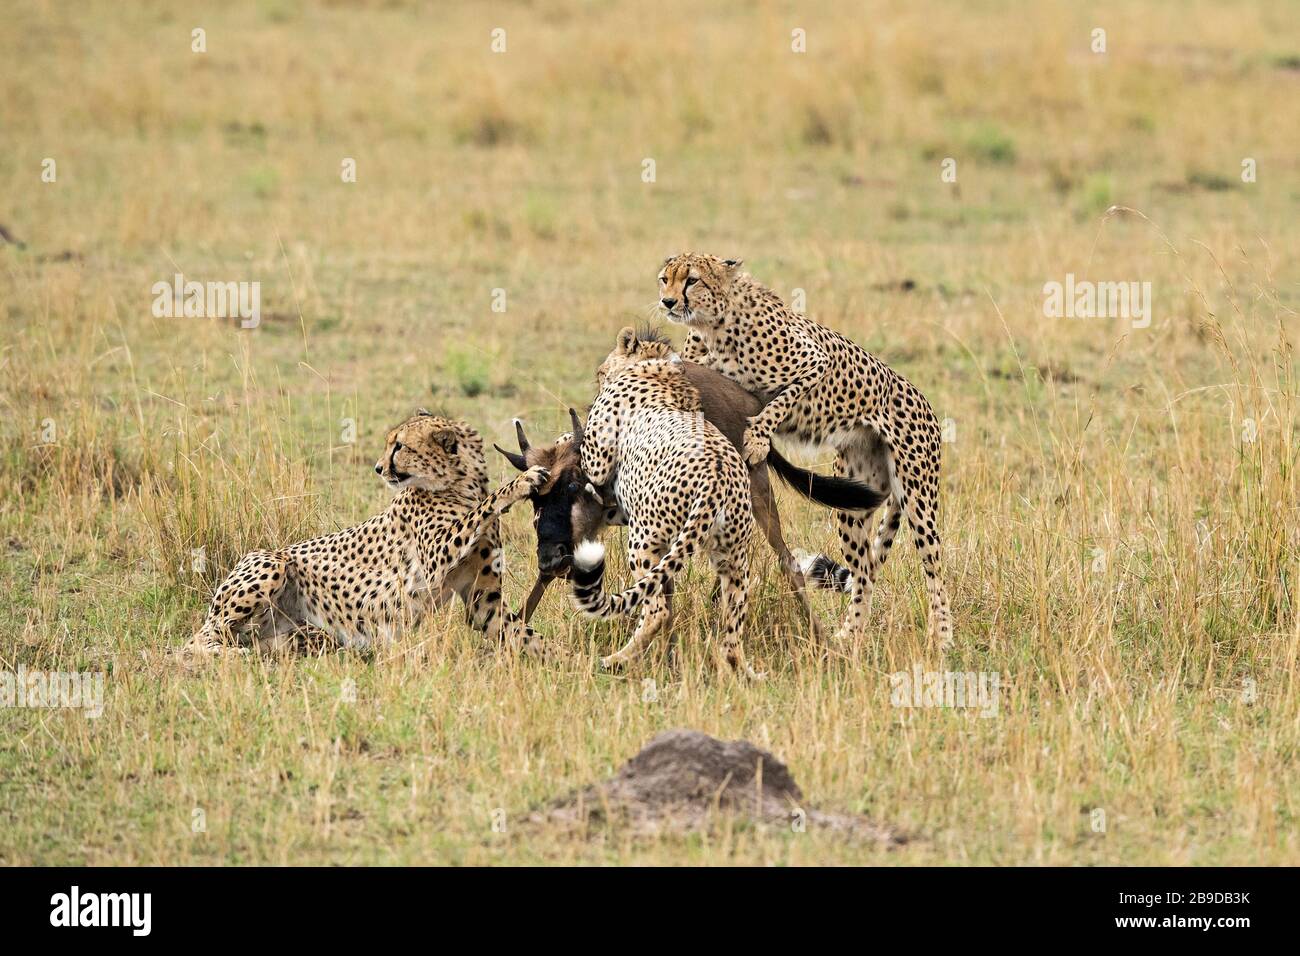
<point>455,544</point>
<point>488,613</point>
<point>481,586</point>
<point>310,639</point>
<point>694,350</point>
<point>522,639</point>
<point>486,610</point>
<point>504,628</point>
<point>811,367</point>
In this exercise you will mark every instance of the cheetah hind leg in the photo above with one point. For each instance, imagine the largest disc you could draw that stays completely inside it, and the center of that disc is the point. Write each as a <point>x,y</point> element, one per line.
<point>869,461</point>
<point>733,577</point>
<point>656,609</point>
<point>921,511</point>
<point>243,611</point>
<point>312,640</point>
<point>855,539</point>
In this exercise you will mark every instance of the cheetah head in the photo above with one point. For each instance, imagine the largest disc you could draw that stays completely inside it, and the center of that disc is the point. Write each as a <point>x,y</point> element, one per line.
<point>634,346</point>
<point>431,452</point>
<point>695,288</point>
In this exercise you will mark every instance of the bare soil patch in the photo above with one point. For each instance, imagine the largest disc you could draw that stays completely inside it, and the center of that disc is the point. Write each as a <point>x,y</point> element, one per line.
<point>685,780</point>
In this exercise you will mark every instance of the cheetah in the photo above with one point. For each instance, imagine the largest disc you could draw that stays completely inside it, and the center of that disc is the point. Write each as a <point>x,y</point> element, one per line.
<point>355,588</point>
<point>682,487</point>
<point>825,391</point>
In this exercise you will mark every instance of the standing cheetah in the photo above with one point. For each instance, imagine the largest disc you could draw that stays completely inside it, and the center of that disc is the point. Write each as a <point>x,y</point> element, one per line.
<point>682,487</point>
<point>826,390</point>
<point>359,586</point>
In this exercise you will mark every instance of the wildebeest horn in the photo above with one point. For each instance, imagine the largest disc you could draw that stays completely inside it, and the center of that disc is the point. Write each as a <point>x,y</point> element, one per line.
<point>523,439</point>
<point>516,460</point>
<point>577,427</point>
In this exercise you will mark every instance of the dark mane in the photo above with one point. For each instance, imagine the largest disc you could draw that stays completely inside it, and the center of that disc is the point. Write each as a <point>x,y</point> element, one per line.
<point>652,333</point>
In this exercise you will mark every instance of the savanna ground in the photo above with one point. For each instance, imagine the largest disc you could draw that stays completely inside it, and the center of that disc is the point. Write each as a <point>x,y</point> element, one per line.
<point>1120,504</point>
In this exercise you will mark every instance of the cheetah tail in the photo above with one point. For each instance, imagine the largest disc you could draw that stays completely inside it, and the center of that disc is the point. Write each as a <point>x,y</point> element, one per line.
<point>588,572</point>
<point>842,494</point>
<point>823,573</point>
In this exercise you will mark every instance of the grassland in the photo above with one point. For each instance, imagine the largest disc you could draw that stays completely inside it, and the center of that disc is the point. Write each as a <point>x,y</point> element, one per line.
<point>1120,504</point>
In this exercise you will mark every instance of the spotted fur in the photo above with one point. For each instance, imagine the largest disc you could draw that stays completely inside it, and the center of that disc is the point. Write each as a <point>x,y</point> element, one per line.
<point>682,487</point>
<point>358,587</point>
<point>826,391</point>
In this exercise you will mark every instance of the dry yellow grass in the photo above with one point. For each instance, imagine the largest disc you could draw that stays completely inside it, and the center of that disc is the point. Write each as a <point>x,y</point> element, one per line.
<point>1120,504</point>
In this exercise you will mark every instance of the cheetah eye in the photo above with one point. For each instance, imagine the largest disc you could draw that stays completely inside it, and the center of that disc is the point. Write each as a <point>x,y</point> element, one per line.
<point>691,281</point>
<point>663,279</point>
<point>397,446</point>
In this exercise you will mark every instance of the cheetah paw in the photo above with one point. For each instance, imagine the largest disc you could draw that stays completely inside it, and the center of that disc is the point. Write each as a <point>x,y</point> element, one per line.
<point>534,478</point>
<point>525,485</point>
<point>755,448</point>
<point>849,635</point>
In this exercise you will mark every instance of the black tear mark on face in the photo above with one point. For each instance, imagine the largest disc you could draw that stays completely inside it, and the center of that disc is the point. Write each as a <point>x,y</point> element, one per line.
<point>387,468</point>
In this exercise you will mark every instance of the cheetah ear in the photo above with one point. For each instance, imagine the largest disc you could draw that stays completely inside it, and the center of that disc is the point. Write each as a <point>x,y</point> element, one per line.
<point>669,259</point>
<point>733,265</point>
<point>626,344</point>
<point>447,439</point>
<point>424,412</point>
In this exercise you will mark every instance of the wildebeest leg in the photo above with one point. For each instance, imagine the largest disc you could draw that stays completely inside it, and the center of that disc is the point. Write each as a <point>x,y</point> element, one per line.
<point>764,503</point>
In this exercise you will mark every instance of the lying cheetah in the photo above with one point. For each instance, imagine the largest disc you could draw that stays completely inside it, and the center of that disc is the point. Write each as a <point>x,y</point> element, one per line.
<point>681,486</point>
<point>826,390</point>
<point>359,586</point>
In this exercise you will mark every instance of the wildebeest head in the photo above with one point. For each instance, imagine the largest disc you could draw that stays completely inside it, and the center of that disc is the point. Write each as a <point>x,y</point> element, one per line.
<point>567,508</point>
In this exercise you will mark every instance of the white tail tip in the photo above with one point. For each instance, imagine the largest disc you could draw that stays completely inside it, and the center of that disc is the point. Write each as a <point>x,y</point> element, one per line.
<point>588,554</point>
